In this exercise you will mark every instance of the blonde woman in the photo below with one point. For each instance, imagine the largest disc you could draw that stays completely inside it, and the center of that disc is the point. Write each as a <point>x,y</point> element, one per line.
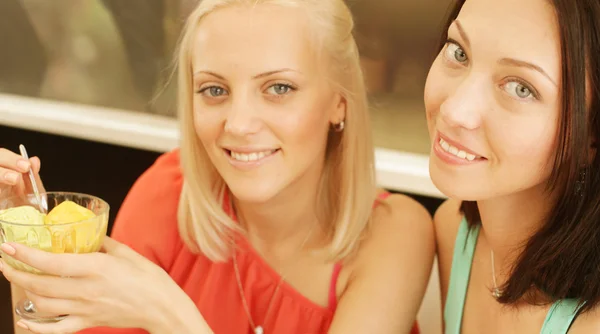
<point>263,221</point>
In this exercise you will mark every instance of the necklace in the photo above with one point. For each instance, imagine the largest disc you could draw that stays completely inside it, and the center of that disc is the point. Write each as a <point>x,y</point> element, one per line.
<point>260,328</point>
<point>496,291</point>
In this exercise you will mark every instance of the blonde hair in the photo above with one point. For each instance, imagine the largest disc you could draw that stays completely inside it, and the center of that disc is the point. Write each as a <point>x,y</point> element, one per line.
<point>347,188</point>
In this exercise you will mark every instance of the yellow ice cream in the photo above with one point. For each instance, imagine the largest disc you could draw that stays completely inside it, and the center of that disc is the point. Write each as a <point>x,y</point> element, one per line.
<point>52,232</point>
<point>78,238</point>
<point>51,235</point>
<point>38,237</point>
<point>68,212</point>
<point>22,215</point>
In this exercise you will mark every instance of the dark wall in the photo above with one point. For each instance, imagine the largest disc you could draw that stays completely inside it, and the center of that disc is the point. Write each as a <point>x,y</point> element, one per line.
<point>103,170</point>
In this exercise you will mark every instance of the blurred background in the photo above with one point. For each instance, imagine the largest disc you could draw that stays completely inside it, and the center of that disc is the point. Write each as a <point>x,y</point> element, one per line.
<point>114,58</point>
<point>118,54</point>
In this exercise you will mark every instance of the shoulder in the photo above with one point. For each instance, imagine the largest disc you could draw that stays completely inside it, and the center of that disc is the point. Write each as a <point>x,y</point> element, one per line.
<point>398,214</point>
<point>391,268</point>
<point>588,322</point>
<point>446,222</point>
<point>164,172</point>
<point>157,190</point>
<point>399,226</point>
<point>147,220</point>
<point>404,224</point>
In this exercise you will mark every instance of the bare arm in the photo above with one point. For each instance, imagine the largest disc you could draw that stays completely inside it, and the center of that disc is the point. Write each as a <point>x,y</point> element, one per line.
<point>17,294</point>
<point>390,273</point>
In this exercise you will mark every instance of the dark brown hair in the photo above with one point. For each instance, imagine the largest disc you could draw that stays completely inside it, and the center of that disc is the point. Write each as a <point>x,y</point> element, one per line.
<point>562,259</point>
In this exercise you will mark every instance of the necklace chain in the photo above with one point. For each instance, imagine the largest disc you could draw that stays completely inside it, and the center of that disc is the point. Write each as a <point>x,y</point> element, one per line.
<point>496,291</point>
<point>260,329</point>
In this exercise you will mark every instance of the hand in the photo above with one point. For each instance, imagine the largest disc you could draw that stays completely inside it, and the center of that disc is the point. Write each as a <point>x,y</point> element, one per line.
<point>118,288</point>
<point>13,181</point>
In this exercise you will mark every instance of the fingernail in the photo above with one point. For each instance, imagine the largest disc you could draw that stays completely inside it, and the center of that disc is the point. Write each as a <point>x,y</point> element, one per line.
<point>24,165</point>
<point>21,324</point>
<point>11,177</point>
<point>8,249</point>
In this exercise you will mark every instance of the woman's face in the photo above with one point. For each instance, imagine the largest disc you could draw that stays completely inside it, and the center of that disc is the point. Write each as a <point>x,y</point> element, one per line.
<point>493,100</point>
<point>262,104</point>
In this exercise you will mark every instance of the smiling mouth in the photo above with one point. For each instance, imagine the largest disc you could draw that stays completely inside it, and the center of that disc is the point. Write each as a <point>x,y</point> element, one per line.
<point>458,152</point>
<point>252,156</point>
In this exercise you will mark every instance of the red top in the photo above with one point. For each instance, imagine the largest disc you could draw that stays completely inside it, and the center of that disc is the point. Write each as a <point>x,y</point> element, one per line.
<point>147,222</point>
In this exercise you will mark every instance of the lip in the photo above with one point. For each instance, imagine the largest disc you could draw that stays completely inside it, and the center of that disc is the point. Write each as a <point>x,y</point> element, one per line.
<point>451,158</point>
<point>249,165</point>
<point>248,149</point>
<point>457,145</point>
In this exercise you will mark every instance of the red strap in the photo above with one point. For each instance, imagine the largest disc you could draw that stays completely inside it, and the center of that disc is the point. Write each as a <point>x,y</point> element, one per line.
<point>333,286</point>
<point>383,195</point>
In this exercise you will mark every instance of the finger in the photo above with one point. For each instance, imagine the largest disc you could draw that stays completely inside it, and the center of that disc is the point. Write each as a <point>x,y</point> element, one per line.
<point>36,163</point>
<point>55,306</point>
<point>36,166</point>
<point>73,265</point>
<point>121,251</point>
<point>42,285</point>
<point>10,176</point>
<point>12,160</point>
<point>113,247</point>
<point>70,324</point>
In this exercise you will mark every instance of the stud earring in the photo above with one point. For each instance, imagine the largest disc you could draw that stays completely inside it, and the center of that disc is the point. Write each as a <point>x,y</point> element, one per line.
<point>339,127</point>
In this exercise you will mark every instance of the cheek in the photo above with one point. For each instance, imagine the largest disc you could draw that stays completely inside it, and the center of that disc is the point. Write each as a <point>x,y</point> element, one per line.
<point>302,129</point>
<point>208,126</point>
<point>528,150</point>
<point>436,91</point>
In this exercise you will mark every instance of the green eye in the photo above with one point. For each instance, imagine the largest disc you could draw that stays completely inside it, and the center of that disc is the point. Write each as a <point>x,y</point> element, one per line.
<point>279,89</point>
<point>455,53</point>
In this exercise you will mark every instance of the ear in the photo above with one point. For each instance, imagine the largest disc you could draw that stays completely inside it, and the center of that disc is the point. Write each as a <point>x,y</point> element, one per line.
<point>338,113</point>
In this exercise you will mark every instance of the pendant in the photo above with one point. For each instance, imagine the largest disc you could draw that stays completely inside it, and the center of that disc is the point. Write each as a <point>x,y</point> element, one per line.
<point>258,330</point>
<point>496,293</point>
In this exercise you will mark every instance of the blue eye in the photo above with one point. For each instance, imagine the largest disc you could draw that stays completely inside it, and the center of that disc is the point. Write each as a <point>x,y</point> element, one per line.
<point>519,90</point>
<point>279,89</point>
<point>213,91</point>
<point>455,53</point>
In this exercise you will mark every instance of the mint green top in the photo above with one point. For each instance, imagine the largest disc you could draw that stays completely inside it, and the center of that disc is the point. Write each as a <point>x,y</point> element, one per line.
<point>559,317</point>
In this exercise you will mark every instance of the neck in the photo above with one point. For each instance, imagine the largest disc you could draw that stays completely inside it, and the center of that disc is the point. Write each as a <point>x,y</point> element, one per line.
<point>286,219</point>
<point>509,221</point>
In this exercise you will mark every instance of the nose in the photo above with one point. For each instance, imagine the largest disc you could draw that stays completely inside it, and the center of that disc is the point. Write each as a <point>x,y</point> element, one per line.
<point>465,106</point>
<point>242,118</point>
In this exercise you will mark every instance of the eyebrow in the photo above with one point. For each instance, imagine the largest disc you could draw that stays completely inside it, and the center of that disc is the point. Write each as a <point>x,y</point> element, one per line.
<point>521,63</point>
<point>505,61</point>
<point>258,76</point>
<point>462,33</point>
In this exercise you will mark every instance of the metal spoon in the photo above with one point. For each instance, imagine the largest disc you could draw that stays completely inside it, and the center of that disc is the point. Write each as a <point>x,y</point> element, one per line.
<point>36,191</point>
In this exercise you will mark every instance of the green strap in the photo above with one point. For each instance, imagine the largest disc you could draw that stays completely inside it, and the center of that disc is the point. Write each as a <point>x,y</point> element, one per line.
<point>560,316</point>
<point>464,248</point>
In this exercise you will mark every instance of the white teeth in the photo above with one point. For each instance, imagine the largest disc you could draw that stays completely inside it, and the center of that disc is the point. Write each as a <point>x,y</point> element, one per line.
<point>254,156</point>
<point>444,145</point>
<point>455,151</point>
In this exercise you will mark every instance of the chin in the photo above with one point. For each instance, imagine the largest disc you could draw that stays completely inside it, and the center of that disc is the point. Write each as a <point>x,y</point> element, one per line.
<point>458,188</point>
<point>251,192</point>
